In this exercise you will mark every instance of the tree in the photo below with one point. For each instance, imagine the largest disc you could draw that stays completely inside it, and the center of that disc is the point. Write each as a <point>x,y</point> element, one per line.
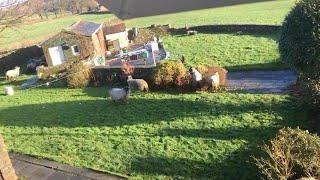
<point>13,13</point>
<point>299,43</point>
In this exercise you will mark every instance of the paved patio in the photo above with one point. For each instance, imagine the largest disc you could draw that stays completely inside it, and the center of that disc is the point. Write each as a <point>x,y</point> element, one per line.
<point>262,81</point>
<point>30,168</point>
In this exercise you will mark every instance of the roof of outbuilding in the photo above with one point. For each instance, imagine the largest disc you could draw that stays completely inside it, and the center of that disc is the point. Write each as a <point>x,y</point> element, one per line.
<point>113,26</point>
<point>84,28</point>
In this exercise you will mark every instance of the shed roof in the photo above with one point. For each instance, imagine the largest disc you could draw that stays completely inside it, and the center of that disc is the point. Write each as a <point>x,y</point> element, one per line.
<point>113,26</point>
<point>84,28</point>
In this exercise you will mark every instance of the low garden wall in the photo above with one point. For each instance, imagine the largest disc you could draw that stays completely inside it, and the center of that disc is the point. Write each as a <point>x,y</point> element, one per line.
<point>19,57</point>
<point>245,28</point>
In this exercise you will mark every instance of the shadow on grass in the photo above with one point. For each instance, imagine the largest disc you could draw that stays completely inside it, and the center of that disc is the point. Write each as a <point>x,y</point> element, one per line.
<point>238,164</point>
<point>235,164</point>
<point>239,30</point>
<point>102,112</point>
<point>4,82</point>
<point>231,166</point>
<point>244,133</point>
<point>276,65</point>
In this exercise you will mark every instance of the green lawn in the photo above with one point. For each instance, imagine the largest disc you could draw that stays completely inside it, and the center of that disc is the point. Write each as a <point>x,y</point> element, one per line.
<point>156,135</point>
<point>270,12</point>
<point>232,51</point>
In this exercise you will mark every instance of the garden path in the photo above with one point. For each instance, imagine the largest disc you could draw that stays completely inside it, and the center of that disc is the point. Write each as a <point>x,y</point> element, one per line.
<point>27,167</point>
<point>261,81</point>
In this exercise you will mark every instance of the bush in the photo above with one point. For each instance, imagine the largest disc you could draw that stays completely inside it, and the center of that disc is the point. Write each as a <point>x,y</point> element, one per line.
<point>79,75</point>
<point>222,74</point>
<point>170,74</point>
<point>126,70</point>
<point>299,46</point>
<point>299,43</point>
<point>202,69</point>
<point>310,90</point>
<point>292,154</point>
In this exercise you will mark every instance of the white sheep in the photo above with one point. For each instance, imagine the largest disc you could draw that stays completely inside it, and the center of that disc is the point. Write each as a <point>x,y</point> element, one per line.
<point>196,76</point>
<point>119,94</point>
<point>137,84</point>
<point>12,74</point>
<point>9,91</point>
<point>39,70</point>
<point>214,81</point>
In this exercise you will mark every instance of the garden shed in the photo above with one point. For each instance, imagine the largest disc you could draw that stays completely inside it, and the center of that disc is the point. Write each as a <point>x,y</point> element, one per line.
<point>116,35</point>
<point>82,40</point>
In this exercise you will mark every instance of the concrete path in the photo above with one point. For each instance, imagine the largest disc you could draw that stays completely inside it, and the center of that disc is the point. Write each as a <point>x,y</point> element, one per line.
<point>29,168</point>
<point>261,81</point>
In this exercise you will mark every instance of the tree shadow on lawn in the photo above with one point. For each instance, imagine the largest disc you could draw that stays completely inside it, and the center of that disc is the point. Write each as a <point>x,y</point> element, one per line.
<point>4,82</point>
<point>272,66</point>
<point>269,35</point>
<point>95,113</point>
<point>232,166</point>
<point>238,164</point>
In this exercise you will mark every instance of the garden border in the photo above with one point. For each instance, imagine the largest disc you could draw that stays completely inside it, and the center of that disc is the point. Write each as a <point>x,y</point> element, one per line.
<point>244,28</point>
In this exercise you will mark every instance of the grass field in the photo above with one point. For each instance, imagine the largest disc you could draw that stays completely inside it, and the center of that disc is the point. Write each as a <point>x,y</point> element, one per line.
<point>157,135</point>
<point>232,51</point>
<point>271,12</point>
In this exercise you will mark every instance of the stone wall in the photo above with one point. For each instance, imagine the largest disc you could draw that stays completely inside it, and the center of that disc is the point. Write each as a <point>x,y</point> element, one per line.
<point>19,57</point>
<point>234,28</point>
<point>6,170</point>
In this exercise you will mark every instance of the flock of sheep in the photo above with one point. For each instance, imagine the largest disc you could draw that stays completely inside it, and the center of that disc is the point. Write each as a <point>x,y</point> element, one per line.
<point>122,94</point>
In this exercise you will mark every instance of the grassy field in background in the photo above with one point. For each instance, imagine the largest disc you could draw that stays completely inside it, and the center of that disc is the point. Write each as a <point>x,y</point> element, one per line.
<point>271,12</point>
<point>232,51</point>
<point>156,135</point>
<point>35,32</point>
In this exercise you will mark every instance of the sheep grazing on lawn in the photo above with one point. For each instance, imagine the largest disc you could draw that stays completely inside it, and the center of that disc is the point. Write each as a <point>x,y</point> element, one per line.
<point>119,94</point>
<point>12,74</point>
<point>214,81</point>
<point>137,84</point>
<point>9,91</point>
<point>196,77</point>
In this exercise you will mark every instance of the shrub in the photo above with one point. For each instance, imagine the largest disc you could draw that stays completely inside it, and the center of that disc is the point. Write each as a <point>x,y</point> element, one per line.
<point>47,72</point>
<point>126,70</point>
<point>79,75</point>
<point>202,69</point>
<point>299,46</point>
<point>169,74</point>
<point>293,153</point>
<point>299,43</point>
<point>207,72</point>
<point>222,74</point>
<point>310,90</point>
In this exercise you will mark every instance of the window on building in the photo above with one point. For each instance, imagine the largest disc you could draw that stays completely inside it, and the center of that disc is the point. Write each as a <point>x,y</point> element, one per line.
<point>75,50</point>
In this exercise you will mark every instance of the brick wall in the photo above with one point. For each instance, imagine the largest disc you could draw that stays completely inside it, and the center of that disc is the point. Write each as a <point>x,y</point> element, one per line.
<point>6,170</point>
